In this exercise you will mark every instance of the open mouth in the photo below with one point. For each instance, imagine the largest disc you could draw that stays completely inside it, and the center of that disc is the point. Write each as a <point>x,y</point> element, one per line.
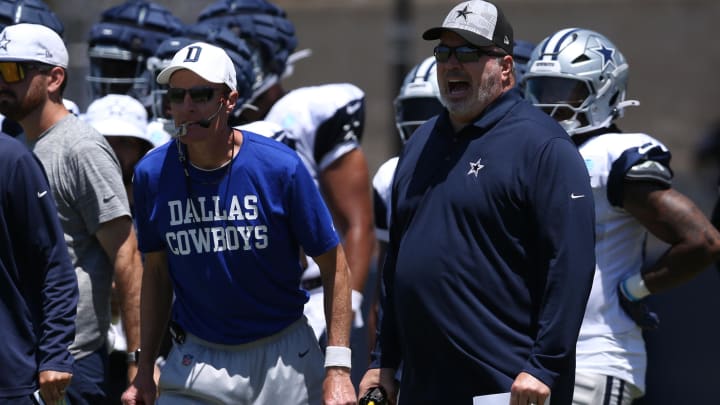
<point>458,86</point>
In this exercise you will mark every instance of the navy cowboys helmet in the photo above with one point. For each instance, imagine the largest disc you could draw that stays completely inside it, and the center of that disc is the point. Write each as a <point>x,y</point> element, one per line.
<point>120,43</point>
<point>522,50</point>
<point>419,98</point>
<point>234,46</point>
<point>579,78</point>
<point>267,32</point>
<point>160,107</point>
<point>29,11</point>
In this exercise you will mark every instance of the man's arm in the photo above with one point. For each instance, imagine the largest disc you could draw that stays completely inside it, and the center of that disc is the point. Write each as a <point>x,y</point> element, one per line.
<point>676,220</point>
<point>157,296</point>
<point>345,186</point>
<point>117,237</point>
<point>338,315</point>
<point>35,227</point>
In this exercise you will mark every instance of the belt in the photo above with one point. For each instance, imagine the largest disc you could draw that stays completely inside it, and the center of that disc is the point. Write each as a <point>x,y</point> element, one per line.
<point>311,283</point>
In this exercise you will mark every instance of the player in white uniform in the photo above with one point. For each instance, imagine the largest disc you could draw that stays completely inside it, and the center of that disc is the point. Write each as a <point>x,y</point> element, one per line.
<point>324,125</point>
<point>579,77</point>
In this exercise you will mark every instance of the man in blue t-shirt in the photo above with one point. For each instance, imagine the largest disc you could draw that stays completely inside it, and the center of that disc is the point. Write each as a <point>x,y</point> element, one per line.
<point>223,216</point>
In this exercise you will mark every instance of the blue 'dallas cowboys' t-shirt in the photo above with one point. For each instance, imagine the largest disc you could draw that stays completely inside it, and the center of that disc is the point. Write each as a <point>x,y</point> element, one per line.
<point>233,237</point>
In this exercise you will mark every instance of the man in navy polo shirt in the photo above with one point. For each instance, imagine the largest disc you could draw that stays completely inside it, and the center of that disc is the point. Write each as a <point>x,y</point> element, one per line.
<point>491,251</point>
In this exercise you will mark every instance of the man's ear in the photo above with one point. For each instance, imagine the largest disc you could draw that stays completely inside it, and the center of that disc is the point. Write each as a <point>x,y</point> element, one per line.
<point>507,65</point>
<point>57,77</point>
<point>230,101</point>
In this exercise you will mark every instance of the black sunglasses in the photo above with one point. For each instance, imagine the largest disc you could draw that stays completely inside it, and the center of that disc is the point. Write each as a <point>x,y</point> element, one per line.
<point>464,53</point>
<point>200,94</point>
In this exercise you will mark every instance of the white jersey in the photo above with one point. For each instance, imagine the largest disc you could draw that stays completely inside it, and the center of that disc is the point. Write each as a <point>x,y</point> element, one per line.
<point>382,194</point>
<point>324,122</point>
<point>610,343</point>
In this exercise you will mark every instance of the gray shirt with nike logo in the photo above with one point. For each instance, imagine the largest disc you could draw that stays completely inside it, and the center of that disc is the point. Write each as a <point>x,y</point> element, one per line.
<point>86,182</point>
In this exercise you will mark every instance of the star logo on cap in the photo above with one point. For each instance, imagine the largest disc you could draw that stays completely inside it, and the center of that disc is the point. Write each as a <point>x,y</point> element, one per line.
<point>4,42</point>
<point>463,13</point>
<point>606,53</point>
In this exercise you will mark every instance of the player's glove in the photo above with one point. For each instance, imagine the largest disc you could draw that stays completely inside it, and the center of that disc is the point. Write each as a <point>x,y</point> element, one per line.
<point>637,310</point>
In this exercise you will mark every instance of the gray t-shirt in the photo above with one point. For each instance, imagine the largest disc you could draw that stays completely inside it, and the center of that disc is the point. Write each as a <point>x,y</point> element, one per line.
<point>85,178</point>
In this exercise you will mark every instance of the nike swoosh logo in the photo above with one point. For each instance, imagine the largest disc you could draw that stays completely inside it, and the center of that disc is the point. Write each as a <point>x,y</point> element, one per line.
<point>302,354</point>
<point>576,196</point>
<point>41,194</point>
<point>645,148</point>
<point>353,108</point>
<point>106,199</point>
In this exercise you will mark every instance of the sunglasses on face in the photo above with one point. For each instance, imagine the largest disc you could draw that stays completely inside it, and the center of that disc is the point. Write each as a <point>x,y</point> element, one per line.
<point>464,53</point>
<point>201,94</point>
<point>15,72</point>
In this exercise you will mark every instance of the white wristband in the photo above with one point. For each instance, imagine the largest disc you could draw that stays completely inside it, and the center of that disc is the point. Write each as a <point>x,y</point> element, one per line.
<point>338,356</point>
<point>634,287</point>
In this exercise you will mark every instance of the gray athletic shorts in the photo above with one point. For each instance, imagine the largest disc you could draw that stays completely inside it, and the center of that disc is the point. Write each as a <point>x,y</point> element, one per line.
<point>285,368</point>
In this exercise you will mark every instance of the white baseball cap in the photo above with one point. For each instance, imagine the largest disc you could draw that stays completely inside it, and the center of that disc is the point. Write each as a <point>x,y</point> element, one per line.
<point>207,61</point>
<point>32,42</point>
<point>118,115</point>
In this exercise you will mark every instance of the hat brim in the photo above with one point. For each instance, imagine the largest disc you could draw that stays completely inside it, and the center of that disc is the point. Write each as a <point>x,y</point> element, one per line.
<point>471,37</point>
<point>30,59</point>
<point>164,76</point>
<point>113,127</point>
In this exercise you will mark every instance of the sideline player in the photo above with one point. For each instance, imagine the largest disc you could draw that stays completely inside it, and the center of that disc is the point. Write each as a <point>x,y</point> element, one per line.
<point>631,181</point>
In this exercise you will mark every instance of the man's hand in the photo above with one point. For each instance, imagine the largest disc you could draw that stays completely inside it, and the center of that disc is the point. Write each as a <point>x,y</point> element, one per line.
<point>380,377</point>
<point>638,311</point>
<point>337,387</point>
<point>53,384</point>
<point>142,391</point>
<point>527,389</point>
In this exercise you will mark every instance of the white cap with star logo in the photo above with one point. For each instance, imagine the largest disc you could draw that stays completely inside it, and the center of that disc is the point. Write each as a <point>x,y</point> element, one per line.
<point>32,42</point>
<point>479,22</point>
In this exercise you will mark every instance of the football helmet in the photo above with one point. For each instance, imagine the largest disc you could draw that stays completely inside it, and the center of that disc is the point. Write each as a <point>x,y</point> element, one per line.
<point>29,11</point>
<point>579,78</point>
<point>120,44</point>
<point>268,33</point>
<point>521,55</point>
<point>418,99</point>
<point>160,107</point>
<point>236,49</point>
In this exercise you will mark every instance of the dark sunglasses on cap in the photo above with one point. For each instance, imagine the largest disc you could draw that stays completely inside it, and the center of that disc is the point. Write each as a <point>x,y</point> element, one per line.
<point>14,72</point>
<point>200,94</point>
<point>464,53</point>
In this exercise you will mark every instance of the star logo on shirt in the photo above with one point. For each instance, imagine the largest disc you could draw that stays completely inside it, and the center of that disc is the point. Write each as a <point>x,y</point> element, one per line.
<point>463,13</point>
<point>4,42</point>
<point>606,53</point>
<point>475,167</point>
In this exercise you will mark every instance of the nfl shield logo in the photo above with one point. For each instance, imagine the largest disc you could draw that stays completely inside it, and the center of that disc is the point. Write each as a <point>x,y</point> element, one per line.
<point>187,359</point>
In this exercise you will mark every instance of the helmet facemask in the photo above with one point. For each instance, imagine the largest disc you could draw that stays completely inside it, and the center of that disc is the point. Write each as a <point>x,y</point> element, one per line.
<point>579,78</point>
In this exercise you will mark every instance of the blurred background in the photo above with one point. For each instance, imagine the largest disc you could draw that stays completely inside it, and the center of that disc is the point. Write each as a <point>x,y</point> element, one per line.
<point>673,48</point>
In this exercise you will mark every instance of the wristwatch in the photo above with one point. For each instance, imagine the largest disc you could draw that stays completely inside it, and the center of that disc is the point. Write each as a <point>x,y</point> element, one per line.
<point>133,357</point>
